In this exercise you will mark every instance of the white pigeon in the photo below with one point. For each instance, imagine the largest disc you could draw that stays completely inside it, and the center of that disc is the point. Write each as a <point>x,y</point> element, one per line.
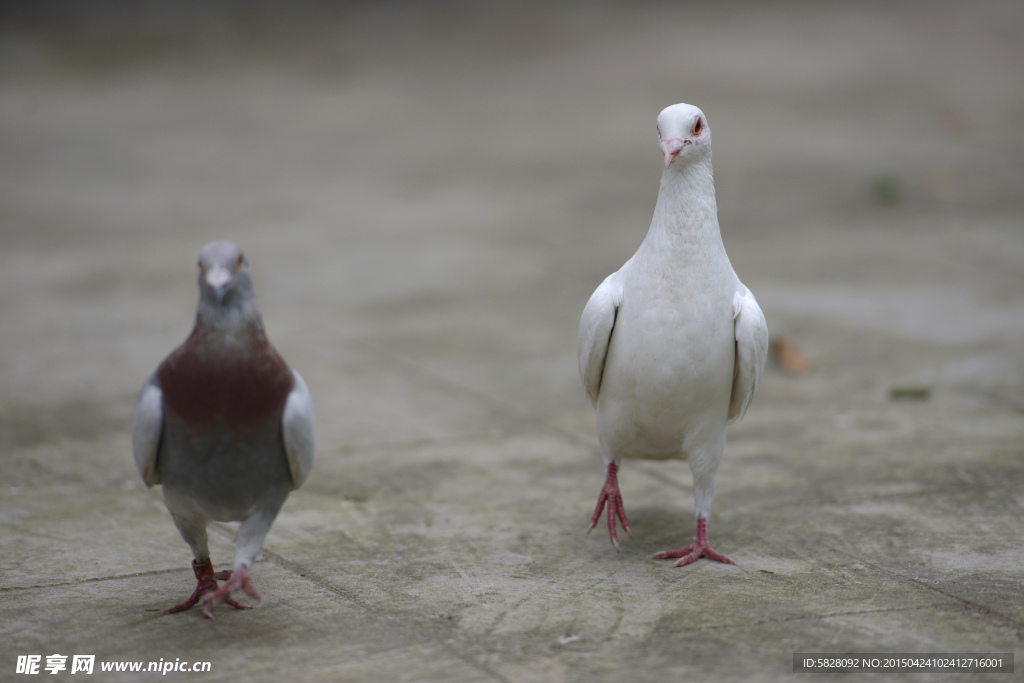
<point>672,345</point>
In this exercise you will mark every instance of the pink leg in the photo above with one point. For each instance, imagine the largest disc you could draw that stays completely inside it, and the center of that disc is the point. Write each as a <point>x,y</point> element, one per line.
<point>239,580</point>
<point>610,494</point>
<point>699,548</point>
<point>206,581</point>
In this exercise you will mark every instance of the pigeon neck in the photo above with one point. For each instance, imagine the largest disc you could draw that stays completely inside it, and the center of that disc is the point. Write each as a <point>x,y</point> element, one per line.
<point>239,321</point>
<point>686,211</point>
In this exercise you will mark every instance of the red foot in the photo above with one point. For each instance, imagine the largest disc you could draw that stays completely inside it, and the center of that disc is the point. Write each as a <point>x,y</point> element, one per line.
<point>610,494</point>
<point>239,580</point>
<point>207,581</point>
<point>699,548</point>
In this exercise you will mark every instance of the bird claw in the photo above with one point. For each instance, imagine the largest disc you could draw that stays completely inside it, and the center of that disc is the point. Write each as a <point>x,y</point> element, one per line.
<point>611,495</point>
<point>206,582</point>
<point>239,580</point>
<point>207,589</point>
<point>691,553</point>
<point>189,602</point>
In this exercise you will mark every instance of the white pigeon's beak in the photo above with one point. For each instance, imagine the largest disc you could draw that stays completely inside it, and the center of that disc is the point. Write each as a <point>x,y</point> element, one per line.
<point>671,149</point>
<point>218,278</point>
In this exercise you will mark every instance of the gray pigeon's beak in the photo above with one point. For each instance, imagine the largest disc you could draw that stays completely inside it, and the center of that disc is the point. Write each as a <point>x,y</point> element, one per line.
<point>671,149</point>
<point>218,278</point>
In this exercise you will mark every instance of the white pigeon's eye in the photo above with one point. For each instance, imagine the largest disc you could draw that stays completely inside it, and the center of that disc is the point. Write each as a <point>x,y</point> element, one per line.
<point>200,264</point>
<point>698,126</point>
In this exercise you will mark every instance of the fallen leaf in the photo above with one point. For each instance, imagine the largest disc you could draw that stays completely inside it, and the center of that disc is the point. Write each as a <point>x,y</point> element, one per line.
<point>789,357</point>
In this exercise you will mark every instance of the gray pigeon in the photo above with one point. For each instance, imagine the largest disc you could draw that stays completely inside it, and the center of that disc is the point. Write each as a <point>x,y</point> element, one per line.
<point>672,345</point>
<point>225,425</point>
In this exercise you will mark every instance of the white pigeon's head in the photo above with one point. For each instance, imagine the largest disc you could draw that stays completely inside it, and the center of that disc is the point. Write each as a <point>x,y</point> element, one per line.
<point>223,274</point>
<point>683,134</point>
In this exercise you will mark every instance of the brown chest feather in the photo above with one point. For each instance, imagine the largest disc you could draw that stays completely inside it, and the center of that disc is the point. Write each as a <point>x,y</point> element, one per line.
<point>220,388</point>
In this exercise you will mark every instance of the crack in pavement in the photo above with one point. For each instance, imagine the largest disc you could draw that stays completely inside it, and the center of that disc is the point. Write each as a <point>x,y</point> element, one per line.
<point>409,630</point>
<point>978,608</point>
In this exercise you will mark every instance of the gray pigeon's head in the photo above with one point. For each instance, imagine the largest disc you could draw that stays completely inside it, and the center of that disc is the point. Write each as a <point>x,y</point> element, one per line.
<point>683,134</point>
<point>223,274</point>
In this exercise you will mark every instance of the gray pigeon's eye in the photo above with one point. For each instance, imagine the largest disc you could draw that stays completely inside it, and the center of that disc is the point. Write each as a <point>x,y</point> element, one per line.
<point>239,261</point>
<point>698,126</point>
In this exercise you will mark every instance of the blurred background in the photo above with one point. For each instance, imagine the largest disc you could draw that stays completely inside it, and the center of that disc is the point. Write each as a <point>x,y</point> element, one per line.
<point>414,159</point>
<point>428,192</point>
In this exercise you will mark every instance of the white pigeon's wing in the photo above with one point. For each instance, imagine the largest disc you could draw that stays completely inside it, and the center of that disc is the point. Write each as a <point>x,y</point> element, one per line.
<point>297,428</point>
<point>595,333</point>
<point>751,351</point>
<point>147,428</point>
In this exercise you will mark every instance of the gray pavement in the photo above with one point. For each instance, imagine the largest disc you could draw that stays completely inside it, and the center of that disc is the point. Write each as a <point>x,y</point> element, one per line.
<point>427,196</point>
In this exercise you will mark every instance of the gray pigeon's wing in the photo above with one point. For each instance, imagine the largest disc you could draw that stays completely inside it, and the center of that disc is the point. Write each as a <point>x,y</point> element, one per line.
<point>596,332</point>
<point>147,428</point>
<point>751,351</point>
<point>299,434</point>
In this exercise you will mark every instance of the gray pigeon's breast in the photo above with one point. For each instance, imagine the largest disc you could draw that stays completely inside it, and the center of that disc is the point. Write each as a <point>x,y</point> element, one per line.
<point>222,443</point>
<point>211,388</point>
<point>227,474</point>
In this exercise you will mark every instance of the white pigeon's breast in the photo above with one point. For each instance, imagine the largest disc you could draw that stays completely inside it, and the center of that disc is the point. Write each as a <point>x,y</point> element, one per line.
<point>668,375</point>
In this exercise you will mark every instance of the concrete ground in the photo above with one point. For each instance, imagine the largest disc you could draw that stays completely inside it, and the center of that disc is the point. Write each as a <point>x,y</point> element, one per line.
<point>427,196</point>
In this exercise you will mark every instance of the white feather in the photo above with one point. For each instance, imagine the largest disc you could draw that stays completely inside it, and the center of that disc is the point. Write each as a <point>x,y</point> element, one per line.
<point>298,430</point>
<point>751,352</point>
<point>146,431</point>
<point>596,326</point>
